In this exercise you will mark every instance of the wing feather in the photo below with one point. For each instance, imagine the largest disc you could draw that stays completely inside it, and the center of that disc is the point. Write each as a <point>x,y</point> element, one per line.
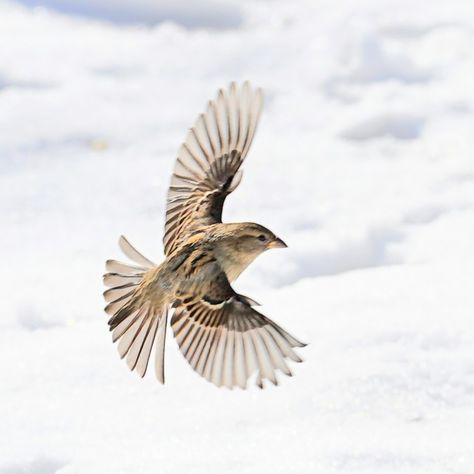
<point>227,341</point>
<point>208,165</point>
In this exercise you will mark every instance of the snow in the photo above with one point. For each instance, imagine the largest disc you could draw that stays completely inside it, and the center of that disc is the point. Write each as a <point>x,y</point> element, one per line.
<point>192,14</point>
<point>362,164</point>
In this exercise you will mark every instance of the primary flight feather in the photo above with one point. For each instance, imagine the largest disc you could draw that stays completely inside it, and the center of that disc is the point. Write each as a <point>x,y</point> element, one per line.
<point>219,332</point>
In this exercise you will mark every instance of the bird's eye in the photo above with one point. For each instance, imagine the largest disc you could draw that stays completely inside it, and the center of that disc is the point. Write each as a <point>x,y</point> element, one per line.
<point>262,238</point>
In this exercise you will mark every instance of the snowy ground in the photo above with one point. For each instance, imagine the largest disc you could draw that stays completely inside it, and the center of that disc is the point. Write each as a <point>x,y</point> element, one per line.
<point>365,154</point>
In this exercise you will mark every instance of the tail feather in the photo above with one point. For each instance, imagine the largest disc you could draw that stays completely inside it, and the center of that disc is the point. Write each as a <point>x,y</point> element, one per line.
<point>118,292</point>
<point>116,305</point>
<point>131,334</point>
<point>133,254</point>
<point>135,323</point>
<point>120,328</point>
<point>160,348</point>
<point>117,279</point>
<point>115,266</point>
<point>143,357</point>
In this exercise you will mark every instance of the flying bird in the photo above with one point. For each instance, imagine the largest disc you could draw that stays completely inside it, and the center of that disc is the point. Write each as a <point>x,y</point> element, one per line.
<point>218,331</point>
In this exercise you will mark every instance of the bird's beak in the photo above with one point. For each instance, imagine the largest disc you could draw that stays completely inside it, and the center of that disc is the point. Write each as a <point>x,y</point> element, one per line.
<point>277,243</point>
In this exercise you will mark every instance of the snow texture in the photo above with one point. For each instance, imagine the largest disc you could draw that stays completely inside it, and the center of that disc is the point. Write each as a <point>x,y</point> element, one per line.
<point>362,163</point>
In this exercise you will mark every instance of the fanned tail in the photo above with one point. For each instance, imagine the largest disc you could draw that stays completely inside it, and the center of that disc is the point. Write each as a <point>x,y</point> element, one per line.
<point>135,322</point>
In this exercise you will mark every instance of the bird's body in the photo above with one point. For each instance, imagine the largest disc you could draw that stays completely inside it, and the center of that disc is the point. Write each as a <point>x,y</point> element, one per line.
<point>221,335</point>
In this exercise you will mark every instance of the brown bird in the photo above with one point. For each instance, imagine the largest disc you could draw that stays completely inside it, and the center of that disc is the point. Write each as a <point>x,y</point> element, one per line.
<point>220,334</point>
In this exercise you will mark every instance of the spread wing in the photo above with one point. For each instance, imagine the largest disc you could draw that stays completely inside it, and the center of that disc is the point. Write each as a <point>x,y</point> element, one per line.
<point>208,165</point>
<point>225,340</point>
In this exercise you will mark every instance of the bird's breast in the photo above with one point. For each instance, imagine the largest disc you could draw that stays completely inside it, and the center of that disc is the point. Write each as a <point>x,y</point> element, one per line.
<point>233,264</point>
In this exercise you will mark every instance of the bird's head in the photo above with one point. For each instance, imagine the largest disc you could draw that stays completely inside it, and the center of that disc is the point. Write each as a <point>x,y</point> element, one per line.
<point>252,238</point>
<point>238,245</point>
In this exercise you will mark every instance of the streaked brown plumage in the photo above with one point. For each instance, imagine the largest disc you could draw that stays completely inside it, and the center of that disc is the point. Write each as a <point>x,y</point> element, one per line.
<point>220,334</point>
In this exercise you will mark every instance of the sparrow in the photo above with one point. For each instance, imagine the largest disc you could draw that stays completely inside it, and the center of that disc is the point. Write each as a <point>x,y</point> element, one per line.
<point>218,331</point>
